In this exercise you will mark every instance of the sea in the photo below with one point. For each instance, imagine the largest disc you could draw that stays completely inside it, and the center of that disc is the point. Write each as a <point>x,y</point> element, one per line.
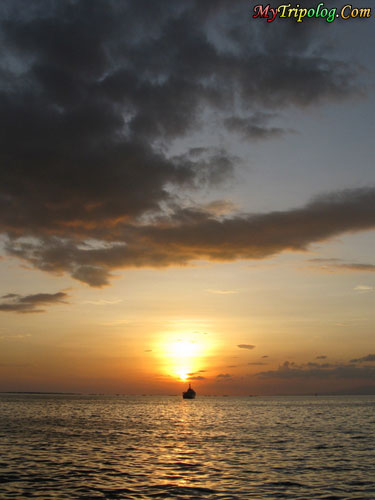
<point>221,448</point>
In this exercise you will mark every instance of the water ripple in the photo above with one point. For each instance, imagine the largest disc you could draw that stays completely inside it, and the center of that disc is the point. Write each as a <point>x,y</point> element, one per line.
<point>90,448</point>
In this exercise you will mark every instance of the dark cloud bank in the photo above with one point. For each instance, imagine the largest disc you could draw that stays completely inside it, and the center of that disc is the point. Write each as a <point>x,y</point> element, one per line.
<point>355,370</point>
<point>92,95</point>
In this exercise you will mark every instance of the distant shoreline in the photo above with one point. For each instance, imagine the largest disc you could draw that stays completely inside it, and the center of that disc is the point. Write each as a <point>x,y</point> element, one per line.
<point>43,392</point>
<point>55,393</point>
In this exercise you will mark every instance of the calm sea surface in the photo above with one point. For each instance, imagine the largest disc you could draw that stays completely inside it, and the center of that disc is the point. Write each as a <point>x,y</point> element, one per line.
<point>95,447</point>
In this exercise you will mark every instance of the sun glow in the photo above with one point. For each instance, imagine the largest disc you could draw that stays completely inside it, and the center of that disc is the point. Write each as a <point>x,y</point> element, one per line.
<point>183,355</point>
<point>184,349</point>
<point>182,373</point>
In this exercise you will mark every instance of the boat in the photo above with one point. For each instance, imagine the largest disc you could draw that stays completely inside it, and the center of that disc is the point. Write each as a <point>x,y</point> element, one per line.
<point>189,394</point>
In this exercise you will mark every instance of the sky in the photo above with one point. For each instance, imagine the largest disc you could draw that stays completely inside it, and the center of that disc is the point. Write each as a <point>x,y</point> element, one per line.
<point>187,194</point>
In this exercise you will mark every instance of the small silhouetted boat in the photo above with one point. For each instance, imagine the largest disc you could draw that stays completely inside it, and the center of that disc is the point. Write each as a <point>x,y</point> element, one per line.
<point>189,394</point>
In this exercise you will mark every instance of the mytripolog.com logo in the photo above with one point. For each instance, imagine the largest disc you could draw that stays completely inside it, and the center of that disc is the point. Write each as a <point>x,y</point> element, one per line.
<point>299,14</point>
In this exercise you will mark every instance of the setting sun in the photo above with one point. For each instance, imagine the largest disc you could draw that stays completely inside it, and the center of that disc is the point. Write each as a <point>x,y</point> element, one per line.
<point>183,355</point>
<point>184,349</point>
<point>183,374</point>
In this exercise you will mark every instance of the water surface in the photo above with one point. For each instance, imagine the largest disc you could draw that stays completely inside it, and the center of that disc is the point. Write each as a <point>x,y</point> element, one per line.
<point>104,447</point>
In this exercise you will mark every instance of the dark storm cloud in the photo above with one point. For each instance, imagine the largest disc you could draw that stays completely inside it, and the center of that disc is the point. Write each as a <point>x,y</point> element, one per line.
<point>189,235</point>
<point>92,94</point>
<point>369,357</point>
<point>258,236</point>
<point>246,346</point>
<point>290,370</point>
<point>252,128</point>
<point>13,302</point>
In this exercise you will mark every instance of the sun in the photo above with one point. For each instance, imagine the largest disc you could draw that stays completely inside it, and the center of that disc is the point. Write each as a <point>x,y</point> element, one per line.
<point>184,349</point>
<point>183,355</point>
<point>183,374</point>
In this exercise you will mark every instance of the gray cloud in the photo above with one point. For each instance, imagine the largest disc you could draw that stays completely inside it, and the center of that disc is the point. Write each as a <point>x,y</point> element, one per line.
<point>224,375</point>
<point>369,357</point>
<point>94,276</point>
<point>253,128</point>
<point>246,346</point>
<point>339,265</point>
<point>192,234</point>
<point>92,95</point>
<point>290,370</point>
<point>30,303</point>
<point>196,376</point>
<point>352,266</point>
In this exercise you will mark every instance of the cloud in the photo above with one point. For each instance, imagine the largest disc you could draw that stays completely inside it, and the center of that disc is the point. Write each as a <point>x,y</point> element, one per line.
<point>369,357</point>
<point>196,376</point>
<point>290,370</point>
<point>246,346</point>
<point>368,268</point>
<point>219,207</point>
<point>364,288</point>
<point>222,292</point>
<point>15,337</point>
<point>252,128</point>
<point>224,375</point>
<point>256,363</point>
<point>94,276</point>
<point>103,302</point>
<point>189,235</point>
<point>321,357</point>
<point>92,96</point>
<point>338,265</point>
<point>117,323</point>
<point>30,303</point>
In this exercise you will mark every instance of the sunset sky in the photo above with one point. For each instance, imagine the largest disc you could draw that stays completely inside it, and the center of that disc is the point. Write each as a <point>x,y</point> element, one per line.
<point>186,194</point>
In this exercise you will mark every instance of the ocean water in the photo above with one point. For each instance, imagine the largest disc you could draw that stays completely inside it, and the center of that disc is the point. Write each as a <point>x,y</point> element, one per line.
<point>125,447</point>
